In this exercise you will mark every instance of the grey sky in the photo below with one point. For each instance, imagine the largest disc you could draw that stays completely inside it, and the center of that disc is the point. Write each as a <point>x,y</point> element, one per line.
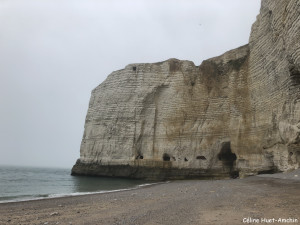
<point>54,52</point>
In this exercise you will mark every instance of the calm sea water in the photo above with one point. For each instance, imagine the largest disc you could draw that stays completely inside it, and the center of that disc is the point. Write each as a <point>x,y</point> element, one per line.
<point>24,183</point>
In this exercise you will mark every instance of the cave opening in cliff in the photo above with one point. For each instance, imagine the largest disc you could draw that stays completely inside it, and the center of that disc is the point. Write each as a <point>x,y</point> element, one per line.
<point>228,158</point>
<point>139,157</point>
<point>295,74</point>
<point>166,157</point>
<point>201,157</point>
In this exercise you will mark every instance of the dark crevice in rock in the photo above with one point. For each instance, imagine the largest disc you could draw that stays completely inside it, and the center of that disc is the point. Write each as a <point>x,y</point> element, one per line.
<point>234,174</point>
<point>227,157</point>
<point>270,171</point>
<point>201,157</point>
<point>166,157</point>
<point>294,71</point>
<point>139,157</point>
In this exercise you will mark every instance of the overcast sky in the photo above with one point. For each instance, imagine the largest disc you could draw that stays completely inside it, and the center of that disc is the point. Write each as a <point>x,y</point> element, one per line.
<point>54,52</point>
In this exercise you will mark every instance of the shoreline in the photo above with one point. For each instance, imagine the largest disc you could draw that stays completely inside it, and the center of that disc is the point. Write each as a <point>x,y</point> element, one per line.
<point>176,202</point>
<point>54,196</point>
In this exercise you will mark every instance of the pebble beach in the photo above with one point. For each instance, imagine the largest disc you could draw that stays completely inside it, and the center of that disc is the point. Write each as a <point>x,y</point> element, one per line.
<point>252,200</point>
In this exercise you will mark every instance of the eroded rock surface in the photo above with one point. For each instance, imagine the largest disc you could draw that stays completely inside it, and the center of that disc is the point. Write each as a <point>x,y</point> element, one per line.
<point>236,113</point>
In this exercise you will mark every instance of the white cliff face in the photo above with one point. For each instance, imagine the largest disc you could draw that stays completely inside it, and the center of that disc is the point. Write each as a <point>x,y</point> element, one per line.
<point>146,111</point>
<point>238,112</point>
<point>274,82</point>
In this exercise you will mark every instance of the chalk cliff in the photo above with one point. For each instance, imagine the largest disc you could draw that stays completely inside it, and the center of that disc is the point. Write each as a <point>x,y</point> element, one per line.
<point>238,113</point>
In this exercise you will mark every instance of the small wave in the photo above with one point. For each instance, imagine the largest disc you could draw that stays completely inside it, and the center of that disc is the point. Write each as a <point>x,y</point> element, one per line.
<point>150,184</point>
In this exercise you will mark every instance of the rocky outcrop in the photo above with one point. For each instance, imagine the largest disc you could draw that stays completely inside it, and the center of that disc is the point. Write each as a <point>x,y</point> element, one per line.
<point>238,113</point>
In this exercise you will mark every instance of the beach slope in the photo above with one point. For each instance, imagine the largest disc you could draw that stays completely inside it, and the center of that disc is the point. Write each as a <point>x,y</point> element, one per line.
<point>177,202</point>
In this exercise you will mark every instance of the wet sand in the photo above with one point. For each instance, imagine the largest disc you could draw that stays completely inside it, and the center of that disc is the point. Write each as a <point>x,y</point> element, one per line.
<point>177,202</point>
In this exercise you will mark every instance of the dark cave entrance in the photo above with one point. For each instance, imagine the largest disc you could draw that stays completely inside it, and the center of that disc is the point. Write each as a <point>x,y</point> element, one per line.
<point>228,159</point>
<point>139,156</point>
<point>295,74</point>
<point>166,157</point>
<point>201,157</point>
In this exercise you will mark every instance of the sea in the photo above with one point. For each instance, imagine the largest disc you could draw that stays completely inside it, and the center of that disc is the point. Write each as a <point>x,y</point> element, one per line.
<point>29,183</point>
